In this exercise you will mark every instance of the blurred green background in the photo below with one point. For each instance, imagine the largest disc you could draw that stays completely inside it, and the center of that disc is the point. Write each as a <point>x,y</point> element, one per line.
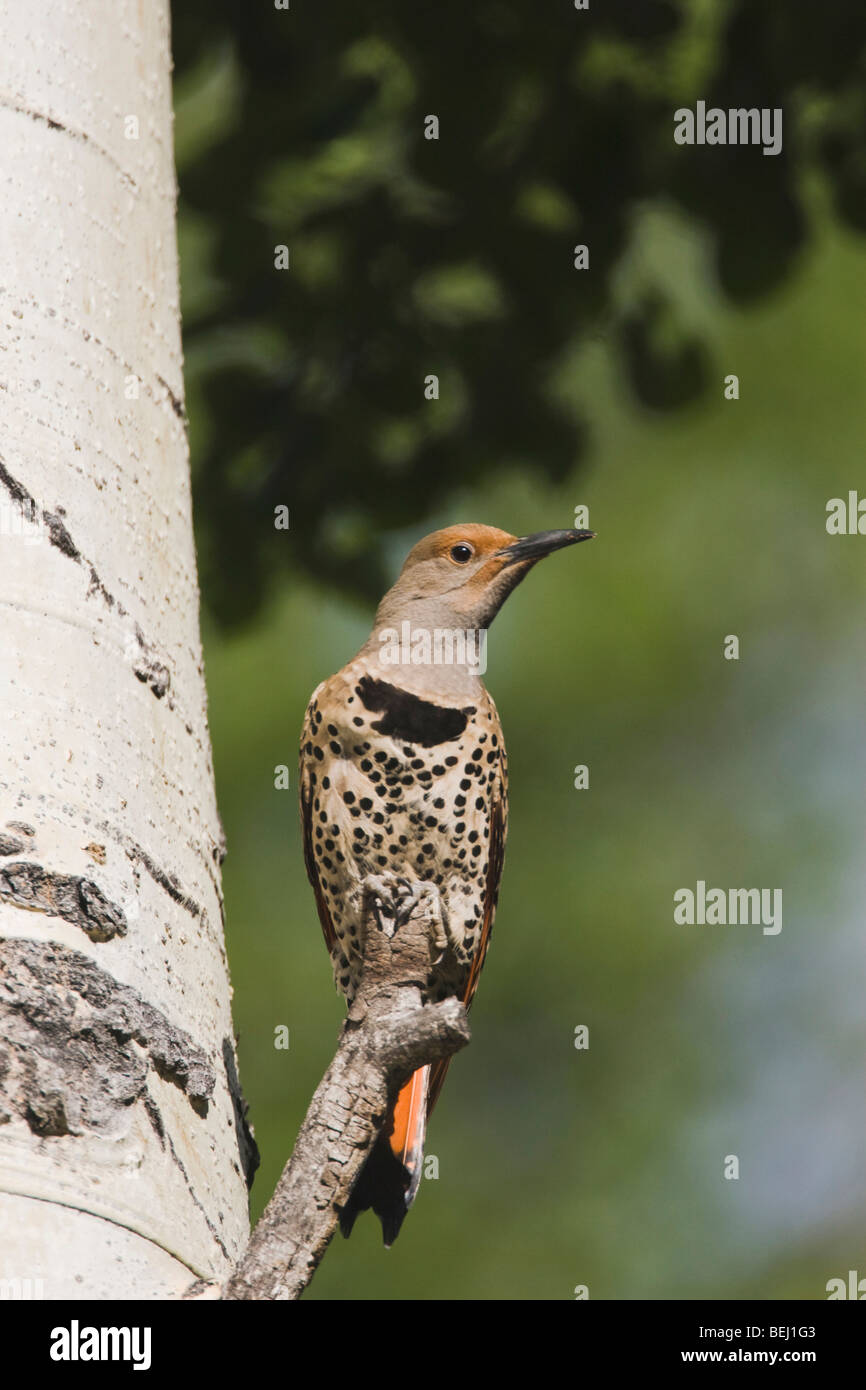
<point>559,1167</point>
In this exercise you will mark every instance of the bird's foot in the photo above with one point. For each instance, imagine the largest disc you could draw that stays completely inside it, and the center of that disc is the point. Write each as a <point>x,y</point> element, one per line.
<point>391,900</point>
<point>394,900</point>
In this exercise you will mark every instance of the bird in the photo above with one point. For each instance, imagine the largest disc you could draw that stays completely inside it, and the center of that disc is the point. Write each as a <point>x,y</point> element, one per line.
<point>403,771</point>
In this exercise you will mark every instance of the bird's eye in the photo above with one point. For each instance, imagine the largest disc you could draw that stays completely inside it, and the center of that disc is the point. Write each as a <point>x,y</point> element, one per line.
<point>461,553</point>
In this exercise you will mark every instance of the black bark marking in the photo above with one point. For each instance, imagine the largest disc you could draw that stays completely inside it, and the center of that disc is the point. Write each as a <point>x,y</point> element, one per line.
<point>96,586</point>
<point>210,1225</point>
<point>75,899</point>
<point>408,718</point>
<point>154,1114</point>
<point>152,672</point>
<point>57,532</point>
<point>248,1149</point>
<point>11,844</point>
<point>174,401</point>
<point>60,537</point>
<point>77,1046</point>
<point>80,135</point>
<point>155,675</point>
<point>166,881</point>
<point>18,493</point>
<point>149,670</point>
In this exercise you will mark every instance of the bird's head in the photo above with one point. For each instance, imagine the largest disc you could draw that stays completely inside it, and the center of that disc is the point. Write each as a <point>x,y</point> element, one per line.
<point>464,574</point>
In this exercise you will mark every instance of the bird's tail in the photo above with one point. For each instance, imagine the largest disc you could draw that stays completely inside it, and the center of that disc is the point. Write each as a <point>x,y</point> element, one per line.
<point>389,1179</point>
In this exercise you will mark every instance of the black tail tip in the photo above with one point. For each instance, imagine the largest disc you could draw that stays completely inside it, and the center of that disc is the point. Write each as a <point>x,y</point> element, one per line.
<point>391,1223</point>
<point>383,1185</point>
<point>392,1219</point>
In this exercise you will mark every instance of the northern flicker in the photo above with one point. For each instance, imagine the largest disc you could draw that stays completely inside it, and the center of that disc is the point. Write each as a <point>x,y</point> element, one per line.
<point>403,770</point>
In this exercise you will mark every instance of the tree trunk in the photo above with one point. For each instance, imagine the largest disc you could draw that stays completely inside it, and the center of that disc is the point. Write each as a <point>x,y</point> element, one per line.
<point>124,1153</point>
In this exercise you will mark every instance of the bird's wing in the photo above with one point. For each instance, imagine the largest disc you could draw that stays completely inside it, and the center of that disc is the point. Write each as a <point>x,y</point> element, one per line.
<point>498,830</point>
<point>498,833</point>
<point>306,771</point>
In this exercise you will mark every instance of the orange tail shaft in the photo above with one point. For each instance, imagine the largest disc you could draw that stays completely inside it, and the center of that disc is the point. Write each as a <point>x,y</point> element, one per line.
<point>410,1126</point>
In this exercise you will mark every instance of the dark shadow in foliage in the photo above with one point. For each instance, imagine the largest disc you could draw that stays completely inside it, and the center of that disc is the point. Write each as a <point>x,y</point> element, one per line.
<point>411,257</point>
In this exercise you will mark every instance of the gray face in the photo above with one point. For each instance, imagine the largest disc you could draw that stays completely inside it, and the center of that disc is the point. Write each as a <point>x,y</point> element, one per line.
<point>456,581</point>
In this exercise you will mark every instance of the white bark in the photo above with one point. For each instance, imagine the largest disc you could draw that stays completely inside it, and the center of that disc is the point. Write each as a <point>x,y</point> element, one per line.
<point>121,1144</point>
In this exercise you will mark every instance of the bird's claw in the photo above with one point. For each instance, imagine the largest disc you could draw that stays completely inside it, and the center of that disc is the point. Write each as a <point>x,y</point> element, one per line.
<point>395,900</point>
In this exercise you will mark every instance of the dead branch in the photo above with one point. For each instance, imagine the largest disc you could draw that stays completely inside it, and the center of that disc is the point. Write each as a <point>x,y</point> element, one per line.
<point>388,1034</point>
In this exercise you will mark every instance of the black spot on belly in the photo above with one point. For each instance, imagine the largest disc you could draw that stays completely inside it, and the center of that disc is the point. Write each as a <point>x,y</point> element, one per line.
<point>409,719</point>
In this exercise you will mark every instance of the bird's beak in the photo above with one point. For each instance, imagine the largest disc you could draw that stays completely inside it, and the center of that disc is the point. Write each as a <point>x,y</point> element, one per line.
<point>542,543</point>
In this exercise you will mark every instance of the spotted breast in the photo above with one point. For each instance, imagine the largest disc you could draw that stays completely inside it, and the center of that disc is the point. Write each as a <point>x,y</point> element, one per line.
<point>392,782</point>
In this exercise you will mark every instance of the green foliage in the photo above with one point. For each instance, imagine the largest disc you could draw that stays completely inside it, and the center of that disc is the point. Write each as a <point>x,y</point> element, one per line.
<point>455,256</point>
<point>604,1167</point>
<point>557,1167</point>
